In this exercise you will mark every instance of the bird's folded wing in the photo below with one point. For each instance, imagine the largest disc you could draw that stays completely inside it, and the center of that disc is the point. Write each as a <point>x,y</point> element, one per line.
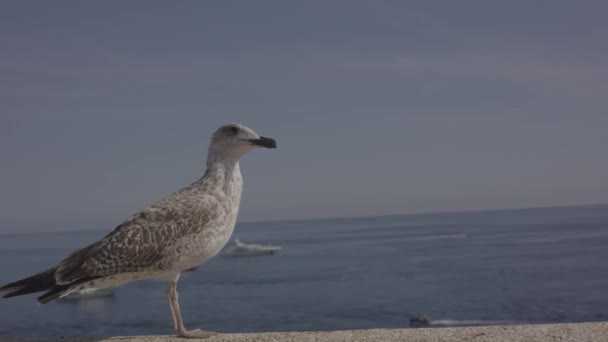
<point>137,245</point>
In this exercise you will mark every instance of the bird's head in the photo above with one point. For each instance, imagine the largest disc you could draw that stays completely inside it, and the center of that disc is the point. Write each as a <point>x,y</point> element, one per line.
<point>234,140</point>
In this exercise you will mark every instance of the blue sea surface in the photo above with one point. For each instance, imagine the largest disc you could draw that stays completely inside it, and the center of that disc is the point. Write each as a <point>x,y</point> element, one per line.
<point>495,267</point>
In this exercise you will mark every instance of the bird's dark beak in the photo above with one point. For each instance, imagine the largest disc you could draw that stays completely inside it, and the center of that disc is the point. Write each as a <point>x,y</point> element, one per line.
<point>264,142</point>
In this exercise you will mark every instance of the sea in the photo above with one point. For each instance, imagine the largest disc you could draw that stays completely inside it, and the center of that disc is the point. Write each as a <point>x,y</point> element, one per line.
<point>474,268</point>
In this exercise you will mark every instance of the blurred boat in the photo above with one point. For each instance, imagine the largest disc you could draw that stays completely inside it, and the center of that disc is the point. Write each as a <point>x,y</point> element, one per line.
<point>420,321</point>
<point>90,293</point>
<point>244,249</point>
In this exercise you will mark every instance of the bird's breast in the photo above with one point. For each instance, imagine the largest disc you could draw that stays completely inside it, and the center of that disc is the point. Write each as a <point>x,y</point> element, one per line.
<point>222,198</point>
<point>212,237</point>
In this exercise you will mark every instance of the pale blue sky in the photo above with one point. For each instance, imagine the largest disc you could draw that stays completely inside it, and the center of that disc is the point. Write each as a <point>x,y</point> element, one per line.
<point>379,107</point>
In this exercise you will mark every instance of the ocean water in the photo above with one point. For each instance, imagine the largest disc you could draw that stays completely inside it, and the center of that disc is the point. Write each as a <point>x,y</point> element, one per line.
<point>500,267</point>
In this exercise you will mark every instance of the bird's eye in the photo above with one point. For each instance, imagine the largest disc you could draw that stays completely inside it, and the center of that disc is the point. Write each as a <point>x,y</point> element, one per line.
<point>234,130</point>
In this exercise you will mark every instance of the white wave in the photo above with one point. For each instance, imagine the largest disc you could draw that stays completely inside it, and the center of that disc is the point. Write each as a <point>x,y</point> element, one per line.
<point>440,236</point>
<point>455,322</point>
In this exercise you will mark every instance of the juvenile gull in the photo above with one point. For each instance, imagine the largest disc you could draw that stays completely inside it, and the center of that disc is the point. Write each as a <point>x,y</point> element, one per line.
<point>177,233</point>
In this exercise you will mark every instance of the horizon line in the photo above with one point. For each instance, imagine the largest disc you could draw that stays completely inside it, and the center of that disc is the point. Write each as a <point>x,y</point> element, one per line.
<point>420,213</point>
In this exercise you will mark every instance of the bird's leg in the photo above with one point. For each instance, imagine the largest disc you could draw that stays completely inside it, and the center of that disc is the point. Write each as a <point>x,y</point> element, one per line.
<point>178,323</point>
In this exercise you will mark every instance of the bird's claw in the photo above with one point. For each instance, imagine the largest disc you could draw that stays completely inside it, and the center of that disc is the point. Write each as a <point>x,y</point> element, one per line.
<point>197,333</point>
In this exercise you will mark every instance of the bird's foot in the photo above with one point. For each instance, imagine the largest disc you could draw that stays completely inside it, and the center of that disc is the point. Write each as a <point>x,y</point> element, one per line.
<point>197,333</point>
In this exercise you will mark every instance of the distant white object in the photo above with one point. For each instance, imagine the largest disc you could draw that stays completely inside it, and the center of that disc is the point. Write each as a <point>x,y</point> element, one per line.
<point>90,293</point>
<point>243,249</point>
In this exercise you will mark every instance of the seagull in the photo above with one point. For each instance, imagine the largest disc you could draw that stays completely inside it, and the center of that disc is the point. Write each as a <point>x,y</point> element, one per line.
<point>177,233</point>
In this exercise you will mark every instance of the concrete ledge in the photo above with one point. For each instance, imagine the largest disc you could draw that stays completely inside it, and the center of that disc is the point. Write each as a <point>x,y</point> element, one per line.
<point>575,332</point>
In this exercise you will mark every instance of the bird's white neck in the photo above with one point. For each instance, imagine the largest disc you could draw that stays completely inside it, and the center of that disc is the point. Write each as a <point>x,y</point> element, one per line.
<point>223,176</point>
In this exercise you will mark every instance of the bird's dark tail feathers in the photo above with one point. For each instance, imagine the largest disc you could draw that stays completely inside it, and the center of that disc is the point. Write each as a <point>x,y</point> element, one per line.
<point>43,281</point>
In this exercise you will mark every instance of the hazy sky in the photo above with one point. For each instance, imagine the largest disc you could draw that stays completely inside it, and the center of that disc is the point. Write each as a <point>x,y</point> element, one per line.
<point>379,107</point>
